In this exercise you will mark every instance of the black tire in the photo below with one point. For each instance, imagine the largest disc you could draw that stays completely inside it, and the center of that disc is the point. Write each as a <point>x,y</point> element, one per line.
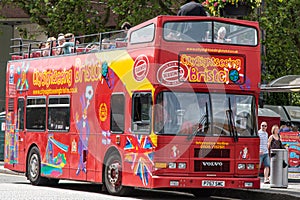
<point>34,168</point>
<point>113,176</point>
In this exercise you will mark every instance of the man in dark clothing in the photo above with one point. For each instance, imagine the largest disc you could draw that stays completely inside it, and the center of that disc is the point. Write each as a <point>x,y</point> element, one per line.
<point>193,31</point>
<point>191,8</point>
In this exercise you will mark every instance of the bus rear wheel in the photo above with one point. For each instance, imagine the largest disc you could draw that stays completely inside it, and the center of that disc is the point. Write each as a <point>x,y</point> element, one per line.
<point>34,168</point>
<point>113,176</point>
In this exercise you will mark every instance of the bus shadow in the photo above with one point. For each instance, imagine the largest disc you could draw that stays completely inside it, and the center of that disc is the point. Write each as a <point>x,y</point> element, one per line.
<point>138,193</point>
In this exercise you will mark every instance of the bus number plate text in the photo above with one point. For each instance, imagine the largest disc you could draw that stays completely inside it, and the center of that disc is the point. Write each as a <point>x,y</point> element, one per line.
<point>207,183</point>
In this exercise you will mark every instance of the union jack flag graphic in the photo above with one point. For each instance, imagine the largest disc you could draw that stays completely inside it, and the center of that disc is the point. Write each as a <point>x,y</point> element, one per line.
<point>139,152</point>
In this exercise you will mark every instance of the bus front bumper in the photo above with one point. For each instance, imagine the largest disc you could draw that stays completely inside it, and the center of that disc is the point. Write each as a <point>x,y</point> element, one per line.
<point>205,182</point>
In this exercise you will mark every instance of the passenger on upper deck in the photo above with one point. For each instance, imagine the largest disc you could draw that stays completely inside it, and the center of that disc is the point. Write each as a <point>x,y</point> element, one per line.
<point>221,35</point>
<point>192,8</point>
<point>61,40</point>
<point>42,46</point>
<point>68,43</point>
<point>60,34</point>
<point>51,42</point>
<point>190,31</point>
<point>107,44</point>
<point>126,26</point>
<point>70,38</point>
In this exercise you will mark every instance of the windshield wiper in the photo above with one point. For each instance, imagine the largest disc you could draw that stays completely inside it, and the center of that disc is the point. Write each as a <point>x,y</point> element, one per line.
<point>203,125</point>
<point>232,128</point>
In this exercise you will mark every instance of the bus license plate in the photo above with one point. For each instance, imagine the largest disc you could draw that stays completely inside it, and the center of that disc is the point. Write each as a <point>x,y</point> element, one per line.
<point>207,183</point>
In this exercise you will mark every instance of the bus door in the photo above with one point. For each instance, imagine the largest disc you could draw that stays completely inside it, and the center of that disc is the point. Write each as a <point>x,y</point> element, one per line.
<point>21,133</point>
<point>140,144</point>
<point>15,135</point>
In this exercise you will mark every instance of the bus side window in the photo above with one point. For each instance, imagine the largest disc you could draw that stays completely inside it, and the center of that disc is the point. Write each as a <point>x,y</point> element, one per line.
<point>141,111</point>
<point>117,113</point>
<point>142,35</point>
<point>36,113</point>
<point>21,113</point>
<point>59,113</point>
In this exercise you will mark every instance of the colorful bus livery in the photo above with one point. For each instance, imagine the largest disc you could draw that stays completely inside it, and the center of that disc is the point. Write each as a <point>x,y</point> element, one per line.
<point>213,68</point>
<point>154,112</point>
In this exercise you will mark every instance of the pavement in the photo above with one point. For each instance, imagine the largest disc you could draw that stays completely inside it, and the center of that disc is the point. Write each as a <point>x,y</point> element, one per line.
<point>265,192</point>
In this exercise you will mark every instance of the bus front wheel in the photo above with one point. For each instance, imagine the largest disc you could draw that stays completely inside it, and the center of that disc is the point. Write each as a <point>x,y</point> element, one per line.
<point>34,168</point>
<point>113,176</point>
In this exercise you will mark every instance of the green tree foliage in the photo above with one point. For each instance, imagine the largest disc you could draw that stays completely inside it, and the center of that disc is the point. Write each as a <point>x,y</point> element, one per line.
<point>91,16</point>
<point>137,11</point>
<point>55,16</point>
<point>280,22</point>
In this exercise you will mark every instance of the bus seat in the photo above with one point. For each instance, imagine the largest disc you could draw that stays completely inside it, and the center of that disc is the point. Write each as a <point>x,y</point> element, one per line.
<point>16,57</point>
<point>79,50</point>
<point>35,54</point>
<point>54,52</point>
<point>120,44</point>
<point>82,50</point>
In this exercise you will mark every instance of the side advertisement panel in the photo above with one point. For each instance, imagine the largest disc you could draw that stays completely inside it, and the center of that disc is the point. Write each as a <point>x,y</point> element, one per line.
<point>292,141</point>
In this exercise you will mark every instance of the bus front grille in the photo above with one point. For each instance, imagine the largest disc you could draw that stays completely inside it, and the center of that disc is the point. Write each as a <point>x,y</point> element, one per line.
<point>211,166</point>
<point>211,153</point>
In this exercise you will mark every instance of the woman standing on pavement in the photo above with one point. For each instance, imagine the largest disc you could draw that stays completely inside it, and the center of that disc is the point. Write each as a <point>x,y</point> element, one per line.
<point>274,141</point>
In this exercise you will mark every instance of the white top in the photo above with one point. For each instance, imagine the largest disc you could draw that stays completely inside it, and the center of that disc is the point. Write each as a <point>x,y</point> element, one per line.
<point>263,146</point>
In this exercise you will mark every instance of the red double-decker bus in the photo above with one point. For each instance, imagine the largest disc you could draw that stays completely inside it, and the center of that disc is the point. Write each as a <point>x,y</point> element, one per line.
<point>172,105</point>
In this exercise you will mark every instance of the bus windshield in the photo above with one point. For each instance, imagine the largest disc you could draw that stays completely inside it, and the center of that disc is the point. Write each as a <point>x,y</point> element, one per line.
<point>210,32</point>
<point>205,114</point>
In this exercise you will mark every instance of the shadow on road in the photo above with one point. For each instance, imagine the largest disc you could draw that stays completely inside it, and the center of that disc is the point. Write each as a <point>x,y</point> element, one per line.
<point>137,193</point>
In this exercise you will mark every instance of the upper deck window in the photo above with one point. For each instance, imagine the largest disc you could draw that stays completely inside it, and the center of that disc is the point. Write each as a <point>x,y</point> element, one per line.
<point>142,35</point>
<point>210,32</point>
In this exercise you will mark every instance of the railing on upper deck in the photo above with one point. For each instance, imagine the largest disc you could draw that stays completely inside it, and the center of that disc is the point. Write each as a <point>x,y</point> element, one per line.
<point>22,49</point>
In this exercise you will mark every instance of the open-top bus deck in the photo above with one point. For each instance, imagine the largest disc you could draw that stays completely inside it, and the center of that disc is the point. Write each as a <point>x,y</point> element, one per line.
<point>168,105</point>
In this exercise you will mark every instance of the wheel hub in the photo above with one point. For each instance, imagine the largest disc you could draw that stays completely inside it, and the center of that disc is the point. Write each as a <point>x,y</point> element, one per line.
<point>33,166</point>
<point>113,173</point>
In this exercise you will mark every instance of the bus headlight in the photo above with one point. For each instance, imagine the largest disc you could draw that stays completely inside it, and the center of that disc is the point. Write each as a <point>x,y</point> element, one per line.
<point>181,165</point>
<point>172,165</point>
<point>241,166</point>
<point>250,166</point>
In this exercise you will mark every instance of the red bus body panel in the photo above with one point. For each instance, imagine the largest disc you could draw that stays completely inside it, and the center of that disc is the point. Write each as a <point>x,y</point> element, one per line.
<point>91,79</point>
